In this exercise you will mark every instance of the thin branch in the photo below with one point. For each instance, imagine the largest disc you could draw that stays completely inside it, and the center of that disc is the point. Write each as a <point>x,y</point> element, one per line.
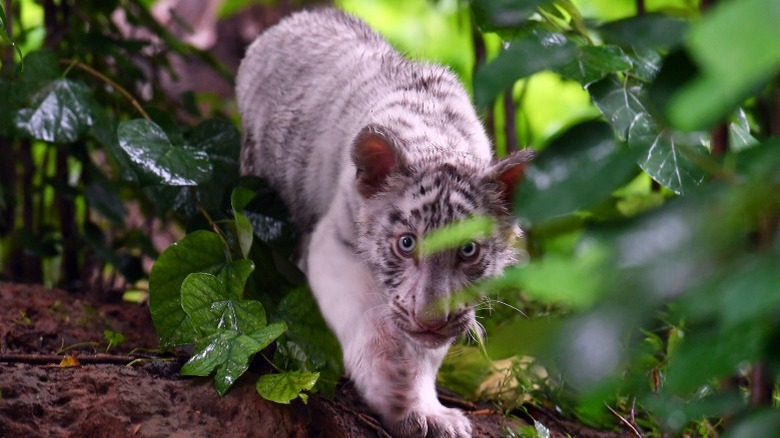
<point>211,222</point>
<point>53,359</point>
<point>625,422</point>
<point>74,63</point>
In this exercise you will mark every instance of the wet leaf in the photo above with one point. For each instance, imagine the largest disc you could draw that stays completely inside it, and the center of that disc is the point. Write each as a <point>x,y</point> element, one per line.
<point>230,330</point>
<point>667,156</point>
<point>105,132</point>
<point>201,251</point>
<point>227,354</point>
<point>620,101</point>
<point>221,141</point>
<point>269,217</point>
<point>537,51</point>
<point>61,112</point>
<point>646,64</point>
<point>740,137</point>
<point>212,308</point>
<point>592,63</point>
<point>286,387</point>
<point>157,160</point>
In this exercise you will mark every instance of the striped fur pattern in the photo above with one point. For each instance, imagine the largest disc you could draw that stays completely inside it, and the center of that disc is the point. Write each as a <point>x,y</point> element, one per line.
<point>371,152</point>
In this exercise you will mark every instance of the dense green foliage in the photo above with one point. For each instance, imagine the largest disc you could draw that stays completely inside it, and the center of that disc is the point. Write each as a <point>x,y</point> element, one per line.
<point>662,295</point>
<point>651,296</point>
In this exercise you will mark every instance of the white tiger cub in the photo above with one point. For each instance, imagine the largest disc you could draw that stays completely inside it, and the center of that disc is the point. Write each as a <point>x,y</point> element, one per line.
<point>371,152</point>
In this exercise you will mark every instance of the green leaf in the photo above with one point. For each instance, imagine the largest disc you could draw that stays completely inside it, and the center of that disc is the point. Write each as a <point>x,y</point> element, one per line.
<point>114,338</point>
<point>157,160</point>
<point>60,113</point>
<point>221,141</point>
<point>521,336</point>
<point>648,31</point>
<point>464,370</point>
<point>619,101</point>
<point>231,331</point>
<point>667,156</point>
<point>537,51</point>
<point>646,64</point>
<point>740,137</point>
<point>576,281</point>
<point>456,234</point>
<point>286,387</point>
<point>4,32</point>
<point>212,307</point>
<point>104,131</point>
<point>576,171</point>
<point>40,68</point>
<point>764,422</point>
<point>492,15</point>
<point>743,30</point>
<point>239,199</point>
<point>228,352</point>
<point>724,351</point>
<point>309,332</point>
<point>269,216</point>
<point>592,63</point>
<point>748,291</point>
<point>201,251</point>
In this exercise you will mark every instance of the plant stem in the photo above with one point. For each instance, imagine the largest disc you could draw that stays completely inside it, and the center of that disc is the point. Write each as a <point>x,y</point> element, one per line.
<point>78,64</point>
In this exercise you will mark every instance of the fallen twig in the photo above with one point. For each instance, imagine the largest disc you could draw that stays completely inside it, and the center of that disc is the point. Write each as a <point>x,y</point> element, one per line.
<point>53,359</point>
<point>627,423</point>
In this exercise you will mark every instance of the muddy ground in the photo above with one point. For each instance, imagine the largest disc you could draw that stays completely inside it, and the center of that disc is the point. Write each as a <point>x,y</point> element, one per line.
<point>106,395</point>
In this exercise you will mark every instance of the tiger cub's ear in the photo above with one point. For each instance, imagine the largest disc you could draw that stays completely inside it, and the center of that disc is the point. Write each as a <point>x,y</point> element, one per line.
<point>376,157</point>
<point>509,171</point>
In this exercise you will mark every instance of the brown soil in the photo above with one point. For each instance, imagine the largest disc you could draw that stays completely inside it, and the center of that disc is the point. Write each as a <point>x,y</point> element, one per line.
<point>108,396</point>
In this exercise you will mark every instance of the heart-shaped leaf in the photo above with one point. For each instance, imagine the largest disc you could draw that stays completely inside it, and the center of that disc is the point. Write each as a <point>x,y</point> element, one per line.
<point>157,160</point>
<point>212,308</point>
<point>666,155</point>
<point>61,113</point>
<point>286,387</point>
<point>229,353</point>
<point>592,63</point>
<point>201,251</point>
